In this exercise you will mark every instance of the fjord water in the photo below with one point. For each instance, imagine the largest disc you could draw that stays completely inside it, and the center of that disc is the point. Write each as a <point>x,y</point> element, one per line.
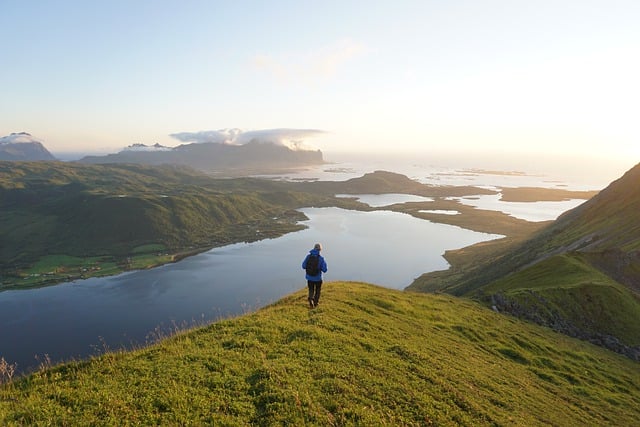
<point>84,317</point>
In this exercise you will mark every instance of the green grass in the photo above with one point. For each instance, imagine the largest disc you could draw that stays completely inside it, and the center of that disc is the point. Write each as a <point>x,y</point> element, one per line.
<point>153,247</point>
<point>605,229</point>
<point>366,356</point>
<point>568,290</point>
<point>568,270</point>
<point>52,269</point>
<point>50,263</point>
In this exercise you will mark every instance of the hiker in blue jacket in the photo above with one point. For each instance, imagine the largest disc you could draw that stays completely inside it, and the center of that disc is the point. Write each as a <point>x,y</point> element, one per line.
<point>314,265</point>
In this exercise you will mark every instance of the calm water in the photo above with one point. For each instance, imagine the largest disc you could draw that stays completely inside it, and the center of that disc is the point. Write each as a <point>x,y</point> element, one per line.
<point>380,200</point>
<point>573,173</point>
<point>529,211</point>
<point>77,319</point>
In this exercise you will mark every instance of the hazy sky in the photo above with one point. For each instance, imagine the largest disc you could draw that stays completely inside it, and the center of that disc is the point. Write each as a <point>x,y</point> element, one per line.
<point>514,76</point>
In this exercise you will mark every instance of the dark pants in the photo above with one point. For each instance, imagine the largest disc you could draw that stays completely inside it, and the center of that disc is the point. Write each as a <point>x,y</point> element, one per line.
<point>314,291</point>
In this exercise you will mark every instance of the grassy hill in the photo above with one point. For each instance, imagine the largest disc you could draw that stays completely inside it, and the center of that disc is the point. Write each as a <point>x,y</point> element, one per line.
<point>579,275</point>
<point>366,356</point>
<point>567,293</point>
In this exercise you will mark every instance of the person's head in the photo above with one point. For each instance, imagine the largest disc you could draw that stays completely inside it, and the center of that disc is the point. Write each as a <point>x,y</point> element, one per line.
<point>317,247</point>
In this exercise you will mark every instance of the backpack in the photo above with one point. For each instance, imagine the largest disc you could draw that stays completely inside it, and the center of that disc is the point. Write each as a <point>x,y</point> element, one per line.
<point>313,265</point>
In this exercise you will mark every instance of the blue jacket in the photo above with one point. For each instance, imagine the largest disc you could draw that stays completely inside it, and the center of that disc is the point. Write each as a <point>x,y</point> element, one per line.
<point>321,263</point>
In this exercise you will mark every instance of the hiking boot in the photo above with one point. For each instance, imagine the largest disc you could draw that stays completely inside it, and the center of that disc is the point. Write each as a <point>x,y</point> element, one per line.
<point>311,304</point>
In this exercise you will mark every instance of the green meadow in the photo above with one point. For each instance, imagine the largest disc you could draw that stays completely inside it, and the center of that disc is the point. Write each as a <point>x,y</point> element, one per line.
<point>366,356</point>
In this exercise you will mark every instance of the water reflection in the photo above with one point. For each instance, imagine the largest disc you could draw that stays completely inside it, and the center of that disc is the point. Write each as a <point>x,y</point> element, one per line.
<point>440,211</point>
<point>529,211</point>
<point>379,200</point>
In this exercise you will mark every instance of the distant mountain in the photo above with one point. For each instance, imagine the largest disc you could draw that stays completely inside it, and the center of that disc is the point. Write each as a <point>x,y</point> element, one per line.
<point>143,147</point>
<point>23,147</point>
<point>214,157</point>
<point>580,275</point>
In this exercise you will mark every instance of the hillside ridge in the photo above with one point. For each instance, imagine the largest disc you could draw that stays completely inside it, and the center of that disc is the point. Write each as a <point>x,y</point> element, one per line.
<point>579,275</point>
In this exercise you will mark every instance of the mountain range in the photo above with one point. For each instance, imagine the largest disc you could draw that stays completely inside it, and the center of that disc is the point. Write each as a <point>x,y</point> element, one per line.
<point>22,146</point>
<point>215,157</point>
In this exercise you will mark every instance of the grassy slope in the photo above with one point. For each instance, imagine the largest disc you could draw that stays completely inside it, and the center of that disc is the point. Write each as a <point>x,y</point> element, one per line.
<point>566,289</point>
<point>468,262</point>
<point>366,356</point>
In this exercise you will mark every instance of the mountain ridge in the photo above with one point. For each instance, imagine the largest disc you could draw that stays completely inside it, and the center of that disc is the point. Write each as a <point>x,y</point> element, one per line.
<point>217,157</point>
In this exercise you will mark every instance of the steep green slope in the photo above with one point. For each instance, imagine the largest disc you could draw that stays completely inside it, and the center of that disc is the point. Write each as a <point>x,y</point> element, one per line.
<point>566,293</point>
<point>607,223</point>
<point>601,240</point>
<point>366,356</point>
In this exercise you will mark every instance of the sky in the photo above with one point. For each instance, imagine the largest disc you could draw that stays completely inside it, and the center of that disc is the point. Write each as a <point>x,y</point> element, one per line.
<point>507,77</point>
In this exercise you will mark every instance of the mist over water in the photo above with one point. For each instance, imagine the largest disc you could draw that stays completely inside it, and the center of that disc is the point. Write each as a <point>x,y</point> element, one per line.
<point>539,170</point>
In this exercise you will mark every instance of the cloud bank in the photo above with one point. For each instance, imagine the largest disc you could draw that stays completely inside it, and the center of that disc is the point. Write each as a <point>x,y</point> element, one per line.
<point>294,139</point>
<point>19,138</point>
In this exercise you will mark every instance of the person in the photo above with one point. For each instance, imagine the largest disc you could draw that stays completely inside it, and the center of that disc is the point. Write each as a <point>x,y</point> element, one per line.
<point>314,281</point>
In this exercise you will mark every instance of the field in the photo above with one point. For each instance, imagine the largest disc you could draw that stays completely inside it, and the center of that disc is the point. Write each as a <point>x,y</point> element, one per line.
<point>52,269</point>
